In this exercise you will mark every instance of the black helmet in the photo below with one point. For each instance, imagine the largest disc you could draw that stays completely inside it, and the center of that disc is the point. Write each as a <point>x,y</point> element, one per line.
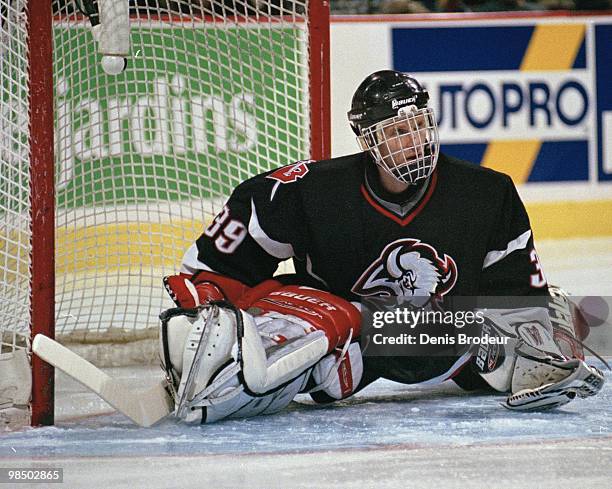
<point>381,95</point>
<point>390,116</point>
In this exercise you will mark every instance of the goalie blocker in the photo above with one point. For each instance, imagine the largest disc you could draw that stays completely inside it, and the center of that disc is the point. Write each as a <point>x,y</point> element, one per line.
<point>224,360</point>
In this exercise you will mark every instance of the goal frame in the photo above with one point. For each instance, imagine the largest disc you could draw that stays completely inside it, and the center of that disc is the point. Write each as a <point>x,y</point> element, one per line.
<point>42,202</point>
<point>42,170</point>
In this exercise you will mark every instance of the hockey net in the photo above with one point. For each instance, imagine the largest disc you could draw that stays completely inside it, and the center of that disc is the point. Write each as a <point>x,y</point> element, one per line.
<point>213,93</point>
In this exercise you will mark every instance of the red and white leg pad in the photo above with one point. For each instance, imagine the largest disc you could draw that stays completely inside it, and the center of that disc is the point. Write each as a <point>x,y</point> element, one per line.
<point>339,373</point>
<point>232,358</point>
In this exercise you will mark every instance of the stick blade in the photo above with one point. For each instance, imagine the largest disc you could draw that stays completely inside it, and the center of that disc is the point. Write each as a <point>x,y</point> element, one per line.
<point>145,407</point>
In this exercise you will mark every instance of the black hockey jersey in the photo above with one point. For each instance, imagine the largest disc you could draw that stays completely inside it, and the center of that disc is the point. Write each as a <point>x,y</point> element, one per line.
<point>465,232</point>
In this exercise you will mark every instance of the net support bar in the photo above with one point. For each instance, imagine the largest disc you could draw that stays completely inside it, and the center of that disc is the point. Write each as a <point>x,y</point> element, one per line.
<point>42,195</point>
<point>320,103</point>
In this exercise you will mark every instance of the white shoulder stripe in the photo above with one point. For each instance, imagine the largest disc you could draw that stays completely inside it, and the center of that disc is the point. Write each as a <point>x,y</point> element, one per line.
<point>279,250</point>
<point>516,244</point>
<point>191,264</point>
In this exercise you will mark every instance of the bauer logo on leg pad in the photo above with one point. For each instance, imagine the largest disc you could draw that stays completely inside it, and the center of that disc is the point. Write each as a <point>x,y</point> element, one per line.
<point>305,298</point>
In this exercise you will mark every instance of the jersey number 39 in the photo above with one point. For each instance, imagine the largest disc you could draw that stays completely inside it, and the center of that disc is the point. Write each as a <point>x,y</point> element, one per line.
<point>227,233</point>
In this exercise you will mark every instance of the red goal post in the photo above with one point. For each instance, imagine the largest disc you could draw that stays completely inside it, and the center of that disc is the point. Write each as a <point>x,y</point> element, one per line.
<point>107,178</point>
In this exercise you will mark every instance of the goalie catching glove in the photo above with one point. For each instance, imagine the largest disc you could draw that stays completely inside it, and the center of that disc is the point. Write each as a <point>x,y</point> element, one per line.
<point>224,360</point>
<point>534,366</point>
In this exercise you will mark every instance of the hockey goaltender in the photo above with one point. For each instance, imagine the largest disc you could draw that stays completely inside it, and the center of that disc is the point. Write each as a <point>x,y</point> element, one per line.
<point>398,219</point>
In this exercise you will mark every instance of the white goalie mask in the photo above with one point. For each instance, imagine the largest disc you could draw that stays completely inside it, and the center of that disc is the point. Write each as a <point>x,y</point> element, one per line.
<point>390,117</point>
<point>405,146</point>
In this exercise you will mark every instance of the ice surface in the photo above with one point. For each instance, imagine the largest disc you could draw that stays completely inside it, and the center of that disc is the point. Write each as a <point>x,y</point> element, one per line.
<point>383,414</point>
<point>389,435</point>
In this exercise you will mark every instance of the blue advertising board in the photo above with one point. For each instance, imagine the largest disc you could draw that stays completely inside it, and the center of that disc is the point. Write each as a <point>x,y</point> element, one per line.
<point>530,98</point>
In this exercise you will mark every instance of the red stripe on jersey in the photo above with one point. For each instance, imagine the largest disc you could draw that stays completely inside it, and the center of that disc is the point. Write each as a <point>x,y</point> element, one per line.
<point>415,212</point>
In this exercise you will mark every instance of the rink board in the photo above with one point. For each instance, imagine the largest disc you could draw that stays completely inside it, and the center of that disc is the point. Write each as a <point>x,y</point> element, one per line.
<point>527,96</point>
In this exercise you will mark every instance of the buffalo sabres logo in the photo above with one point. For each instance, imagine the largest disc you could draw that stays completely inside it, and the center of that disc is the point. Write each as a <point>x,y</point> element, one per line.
<point>409,269</point>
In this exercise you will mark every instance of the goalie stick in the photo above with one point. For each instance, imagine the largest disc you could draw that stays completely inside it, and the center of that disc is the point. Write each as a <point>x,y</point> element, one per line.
<point>145,407</point>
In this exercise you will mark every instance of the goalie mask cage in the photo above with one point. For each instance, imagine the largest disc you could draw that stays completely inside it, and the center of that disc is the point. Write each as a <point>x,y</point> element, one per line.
<point>105,180</point>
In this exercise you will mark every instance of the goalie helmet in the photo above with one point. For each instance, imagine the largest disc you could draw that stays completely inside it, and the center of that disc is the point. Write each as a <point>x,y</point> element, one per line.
<point>390,117</point>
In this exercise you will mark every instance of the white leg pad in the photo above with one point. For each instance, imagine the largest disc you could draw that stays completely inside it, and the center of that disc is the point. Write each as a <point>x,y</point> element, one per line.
<point>263,372</point>
<point>218,338</point>
<point>257,373</point>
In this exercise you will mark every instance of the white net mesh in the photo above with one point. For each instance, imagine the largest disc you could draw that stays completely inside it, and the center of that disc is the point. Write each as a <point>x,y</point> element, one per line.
<point>14,210</point>
<point>14,177</point>
<point>213,93</point>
